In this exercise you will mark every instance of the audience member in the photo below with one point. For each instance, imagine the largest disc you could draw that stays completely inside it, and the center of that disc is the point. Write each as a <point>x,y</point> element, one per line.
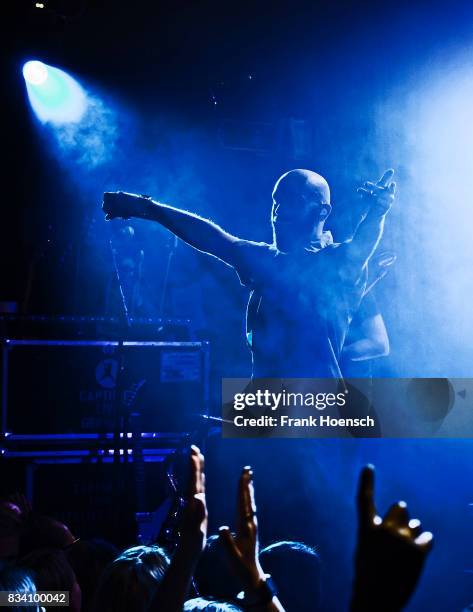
<point>243,551</point>
<point>225,571</point>
<point>19,581</point>
<point>130,582</point>
<point>52,572</point>
<point>44,532</point>
<point>213,575</point>
<point>200,604</point>
<point>10,530</point>
<point>390,553</point>
<point>88,559</point>
<point>295,568</point>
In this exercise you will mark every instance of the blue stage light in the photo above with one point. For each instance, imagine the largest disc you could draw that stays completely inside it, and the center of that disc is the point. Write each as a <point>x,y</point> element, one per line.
<point>54,95</point>
<point>35,72</point>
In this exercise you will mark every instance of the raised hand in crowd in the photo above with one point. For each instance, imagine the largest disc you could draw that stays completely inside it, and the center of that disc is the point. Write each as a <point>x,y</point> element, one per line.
<point>175,586</point>
<point>390,553</point>
<point>243,550</point>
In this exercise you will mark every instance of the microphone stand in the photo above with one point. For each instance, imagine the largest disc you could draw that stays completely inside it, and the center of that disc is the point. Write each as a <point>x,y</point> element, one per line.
<point>162,303</point>
<point>119,417</point>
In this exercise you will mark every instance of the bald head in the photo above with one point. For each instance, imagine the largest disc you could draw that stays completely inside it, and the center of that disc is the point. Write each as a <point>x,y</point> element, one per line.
<point>301,204</point>
<point>301,183</point>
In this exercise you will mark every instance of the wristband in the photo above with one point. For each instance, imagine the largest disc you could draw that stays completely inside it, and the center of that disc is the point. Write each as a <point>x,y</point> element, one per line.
<point>260,596</point>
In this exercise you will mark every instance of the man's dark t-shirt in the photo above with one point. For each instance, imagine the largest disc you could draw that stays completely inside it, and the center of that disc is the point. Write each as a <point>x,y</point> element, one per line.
<point>300,306</point>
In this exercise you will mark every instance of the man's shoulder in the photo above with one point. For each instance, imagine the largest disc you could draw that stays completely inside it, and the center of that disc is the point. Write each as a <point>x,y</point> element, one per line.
<point>253,261</point>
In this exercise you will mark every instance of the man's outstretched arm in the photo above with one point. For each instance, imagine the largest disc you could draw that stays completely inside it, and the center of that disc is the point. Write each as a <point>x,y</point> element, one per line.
<point>379,197</point>
<point>200,233</point>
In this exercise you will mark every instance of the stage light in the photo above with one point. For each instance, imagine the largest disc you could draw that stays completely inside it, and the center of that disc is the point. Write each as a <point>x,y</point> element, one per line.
<point>53,94</point>
<point>35,72</point>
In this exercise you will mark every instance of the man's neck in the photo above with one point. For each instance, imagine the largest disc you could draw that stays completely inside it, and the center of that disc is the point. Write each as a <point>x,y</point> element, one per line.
<point>319,231</point>
<point>319,240</point>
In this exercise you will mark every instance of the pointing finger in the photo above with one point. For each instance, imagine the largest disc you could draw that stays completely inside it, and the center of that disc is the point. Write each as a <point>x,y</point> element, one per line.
<point>386,178</point>
<point>246,500</point>
<point>197,472</point>
<point>365,498</point>
<point>246,492</point>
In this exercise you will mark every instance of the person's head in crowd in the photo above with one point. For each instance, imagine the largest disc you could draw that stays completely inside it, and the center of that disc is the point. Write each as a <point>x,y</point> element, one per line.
<point>295,569</point>
<point>130,582</point>
<point>17,580</point>
<point>88,559</point>
<point>10,529</point>
<point>213,575</point>
<point>44,532</point>
<point>51,571</point>
<point>200,604</point>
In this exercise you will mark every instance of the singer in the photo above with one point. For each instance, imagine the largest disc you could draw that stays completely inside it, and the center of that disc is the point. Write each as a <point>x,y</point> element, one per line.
<point>304,288</point>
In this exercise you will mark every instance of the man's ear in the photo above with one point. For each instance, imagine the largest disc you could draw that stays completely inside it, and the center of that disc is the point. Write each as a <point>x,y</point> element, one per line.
<point>325,211</point>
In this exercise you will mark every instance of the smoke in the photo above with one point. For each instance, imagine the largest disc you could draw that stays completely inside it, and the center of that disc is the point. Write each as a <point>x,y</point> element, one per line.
<point>428,127</point>
<point>92,141</point>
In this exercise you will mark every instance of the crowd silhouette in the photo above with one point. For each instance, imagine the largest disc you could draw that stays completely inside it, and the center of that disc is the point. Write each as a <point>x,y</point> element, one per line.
<point>216,573</point>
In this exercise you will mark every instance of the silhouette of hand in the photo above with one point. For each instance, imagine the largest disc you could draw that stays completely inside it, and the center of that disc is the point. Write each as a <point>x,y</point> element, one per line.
<point>174,587</point>
<point>390,553</point>
<point>124,205</point>
<point>243,549</point>
<point>195,519</point>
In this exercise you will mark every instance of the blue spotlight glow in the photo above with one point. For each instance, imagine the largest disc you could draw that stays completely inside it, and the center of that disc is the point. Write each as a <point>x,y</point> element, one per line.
<point>35,72</point>
<point>54,95</point>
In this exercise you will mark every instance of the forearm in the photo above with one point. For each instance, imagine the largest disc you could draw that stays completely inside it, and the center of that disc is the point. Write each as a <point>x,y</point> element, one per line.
<point>368,235</point>
<point>200,233</point>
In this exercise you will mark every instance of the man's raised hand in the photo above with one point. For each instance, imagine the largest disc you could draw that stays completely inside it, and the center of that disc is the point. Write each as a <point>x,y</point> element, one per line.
<point>380,194</point>
<point>119,204</point>
<point>390,552</point>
